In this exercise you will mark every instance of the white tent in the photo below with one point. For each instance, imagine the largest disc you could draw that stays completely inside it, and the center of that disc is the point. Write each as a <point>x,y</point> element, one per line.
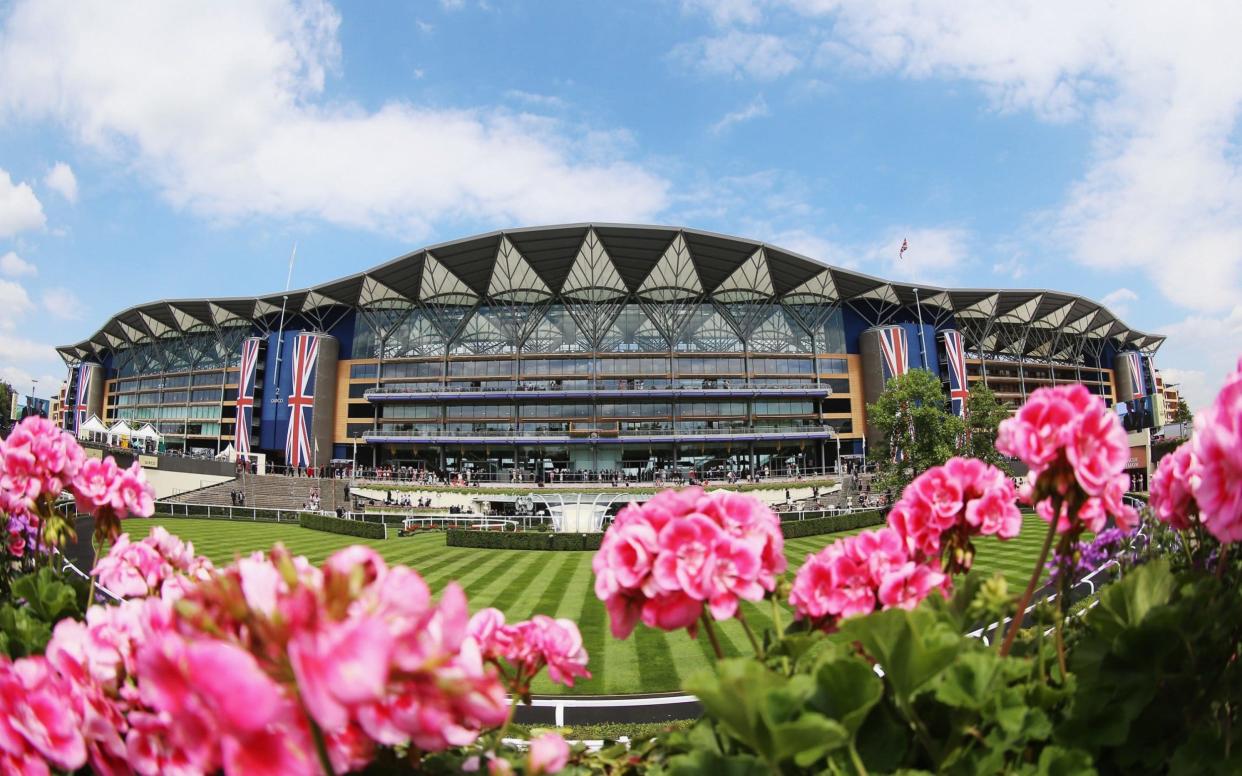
<point>148,432</point>
<point>227,453</point>
<point>121,429</point>
<point>93,425</point>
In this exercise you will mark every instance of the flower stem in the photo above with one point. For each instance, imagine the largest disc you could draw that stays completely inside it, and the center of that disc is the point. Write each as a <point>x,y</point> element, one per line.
<point>513,704</point>
<point>711,635</point>
<point>776,617</point>
<point>858,763</point>
<point>1016,625</point>
<point>95,548</point>
<point>1060,625</point>
<point>1220,562</point>
<point>754,643</point>
<point>321,746</point>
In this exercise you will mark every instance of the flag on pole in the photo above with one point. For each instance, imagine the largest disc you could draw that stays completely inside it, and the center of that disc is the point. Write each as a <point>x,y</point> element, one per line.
<point>905,245</point>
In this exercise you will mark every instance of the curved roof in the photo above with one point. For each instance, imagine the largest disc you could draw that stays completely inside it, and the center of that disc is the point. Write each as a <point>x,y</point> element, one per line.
<point>599,261</point>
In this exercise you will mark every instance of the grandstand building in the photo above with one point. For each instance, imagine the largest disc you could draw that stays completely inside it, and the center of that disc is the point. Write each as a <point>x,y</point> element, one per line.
<point>592,346</point>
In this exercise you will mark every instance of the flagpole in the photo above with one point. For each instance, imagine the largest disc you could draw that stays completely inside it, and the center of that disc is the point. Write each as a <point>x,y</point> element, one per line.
<point>280,332</point>
<point>922,342</point>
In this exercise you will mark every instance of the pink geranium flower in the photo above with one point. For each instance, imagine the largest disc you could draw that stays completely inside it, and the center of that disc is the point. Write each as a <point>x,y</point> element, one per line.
<point>1217,447</point>
<point>1172,491</point>
<point>664,561</point>
<point>548,754</point>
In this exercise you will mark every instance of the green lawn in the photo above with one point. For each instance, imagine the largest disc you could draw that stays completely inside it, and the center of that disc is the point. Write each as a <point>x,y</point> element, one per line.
<point>556,583</point>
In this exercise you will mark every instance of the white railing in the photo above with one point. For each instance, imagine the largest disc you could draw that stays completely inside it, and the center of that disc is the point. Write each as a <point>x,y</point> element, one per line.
<point>219,512</point>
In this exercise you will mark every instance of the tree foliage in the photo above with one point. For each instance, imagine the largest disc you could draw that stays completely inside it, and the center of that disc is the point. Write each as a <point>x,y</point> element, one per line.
<point>984,414</point>
<point>1183,414</point>
<point>918,431</point>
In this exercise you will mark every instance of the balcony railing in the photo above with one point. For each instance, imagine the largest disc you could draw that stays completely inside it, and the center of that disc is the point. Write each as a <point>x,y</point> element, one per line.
<point>411,433</point>
<point>705,387</point>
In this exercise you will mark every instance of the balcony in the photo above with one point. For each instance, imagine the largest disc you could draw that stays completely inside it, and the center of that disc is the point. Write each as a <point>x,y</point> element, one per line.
<point>412,435</point>
<point>610,389</point>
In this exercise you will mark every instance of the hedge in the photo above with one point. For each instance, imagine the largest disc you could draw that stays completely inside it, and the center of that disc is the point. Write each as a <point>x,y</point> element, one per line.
<point>523,540</point>
<point>338,526</point>
<point>832,523</point>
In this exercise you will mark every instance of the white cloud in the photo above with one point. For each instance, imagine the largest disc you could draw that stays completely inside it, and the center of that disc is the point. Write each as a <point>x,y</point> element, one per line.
<point>61,180</point>
<point>14,304</point>
<point>533,98</point>
<point>62,303</point>
<point>724,12</point>
<point>1201,350</point>
<point>21,379</point>
<point>756,108</point>
<point>222,107</point>
<point>1118,301</point>
<point>20,209</point>
<point>15,266</point>
<point>1159,88</point>
<point>739,54</point>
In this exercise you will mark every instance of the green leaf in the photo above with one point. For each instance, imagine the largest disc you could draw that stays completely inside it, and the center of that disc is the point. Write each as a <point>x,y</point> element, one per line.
<point>808,738</point>
<point>967,683</point>
<point>883,740</point>
<point>49,596</point>
<point>24,634</point>
<point>1127,603</point>
<point>911,647</point>
<point>734,695</point>
<point>701,762</point>
<point>847,690</point>
<point>1056,761</point>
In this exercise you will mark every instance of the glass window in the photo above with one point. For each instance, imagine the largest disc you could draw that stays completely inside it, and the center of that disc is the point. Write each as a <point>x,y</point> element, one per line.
<point>208,378</point>
<point>363,371</point>
<point>834,366</point>
<point>205,394</point>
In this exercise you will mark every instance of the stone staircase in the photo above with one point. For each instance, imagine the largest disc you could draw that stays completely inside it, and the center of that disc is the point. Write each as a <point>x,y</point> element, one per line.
<point>271,491</point>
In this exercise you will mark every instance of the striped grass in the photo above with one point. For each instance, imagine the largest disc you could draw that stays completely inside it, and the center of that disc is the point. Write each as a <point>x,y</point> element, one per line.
<point>561,584</point>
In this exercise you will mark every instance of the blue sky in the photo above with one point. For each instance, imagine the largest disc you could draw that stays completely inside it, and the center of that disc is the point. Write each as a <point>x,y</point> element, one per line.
<point>154,150</point>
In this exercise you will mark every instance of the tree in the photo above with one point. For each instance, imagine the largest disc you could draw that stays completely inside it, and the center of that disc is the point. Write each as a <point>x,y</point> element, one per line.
<point>984,414</point>
<point>7,397</point>
<point>918,431</point>
<point>1183,414</point>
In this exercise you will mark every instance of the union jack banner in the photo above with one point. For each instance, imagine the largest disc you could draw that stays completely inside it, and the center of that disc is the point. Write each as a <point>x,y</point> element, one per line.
<point>301,401</point>
<point>895,351</point>
<point>1135,361</point>
<point>245,393</point>
<point>955,354</point>
<point>86,374</point>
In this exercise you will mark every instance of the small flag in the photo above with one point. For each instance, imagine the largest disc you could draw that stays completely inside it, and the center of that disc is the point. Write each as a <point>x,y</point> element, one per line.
<point>905,245</point>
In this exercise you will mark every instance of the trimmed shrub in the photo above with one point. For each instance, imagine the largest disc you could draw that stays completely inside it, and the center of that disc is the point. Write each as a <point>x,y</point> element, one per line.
<point>338,526</point>
<point>523,540</point>
<point>833,523</point>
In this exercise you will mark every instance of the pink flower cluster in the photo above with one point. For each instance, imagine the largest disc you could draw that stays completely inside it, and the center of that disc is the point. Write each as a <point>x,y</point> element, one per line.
<point>159,564</point>
<point>102,485</point>
<point>230,671</point>
<point>661,562</point>
<point>1070,440</point>
<point>530,645</point>
<point>39,461</point>
<point>900,565</point>
<point>1217,461</point>
<point>1172,492</point>
<point>944,506</point>
<point>859,574</point>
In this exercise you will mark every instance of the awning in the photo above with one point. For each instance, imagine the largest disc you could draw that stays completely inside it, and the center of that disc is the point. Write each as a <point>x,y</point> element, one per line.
<point>93,425</point>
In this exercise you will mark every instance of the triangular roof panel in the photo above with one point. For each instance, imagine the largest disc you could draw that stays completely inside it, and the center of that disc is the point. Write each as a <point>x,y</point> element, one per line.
<point>750,281</point>
<point>673,276</point>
